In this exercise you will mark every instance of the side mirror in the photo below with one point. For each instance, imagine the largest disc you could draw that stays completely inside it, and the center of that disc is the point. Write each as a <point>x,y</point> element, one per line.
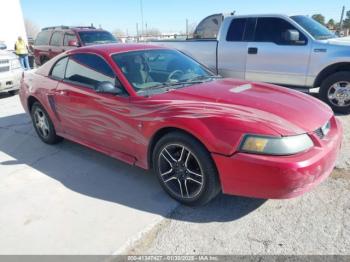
<point>108,88</point>
<point>73,43</point>
<point>291,35</point>
<point>3,46</point>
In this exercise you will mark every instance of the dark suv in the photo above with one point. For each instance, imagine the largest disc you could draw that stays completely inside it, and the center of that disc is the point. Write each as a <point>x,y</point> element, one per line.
<point>52,41</point>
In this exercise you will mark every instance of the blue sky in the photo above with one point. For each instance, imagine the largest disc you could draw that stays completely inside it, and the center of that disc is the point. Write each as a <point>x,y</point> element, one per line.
<point>168,16</point>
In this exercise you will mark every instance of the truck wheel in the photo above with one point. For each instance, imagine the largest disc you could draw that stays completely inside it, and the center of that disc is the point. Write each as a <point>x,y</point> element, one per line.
<point>335,91</point>
<point>185,169</point>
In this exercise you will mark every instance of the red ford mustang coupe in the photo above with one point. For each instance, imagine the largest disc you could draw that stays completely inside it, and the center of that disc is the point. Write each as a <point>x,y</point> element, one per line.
<point>158,108</point>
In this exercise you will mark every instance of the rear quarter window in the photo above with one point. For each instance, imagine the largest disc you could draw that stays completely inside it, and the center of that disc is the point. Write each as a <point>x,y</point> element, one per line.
<point>236,30</point>
<point>57,39</point>
<point>59,68</point>
<point>43,38</point>
<point>241,29</point>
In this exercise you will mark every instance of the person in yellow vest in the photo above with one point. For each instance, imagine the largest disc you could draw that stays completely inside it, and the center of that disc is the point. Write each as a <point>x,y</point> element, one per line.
<point>22,52</point>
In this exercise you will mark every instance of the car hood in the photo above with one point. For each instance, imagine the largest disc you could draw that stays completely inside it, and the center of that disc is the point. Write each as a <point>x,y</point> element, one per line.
<point>345,41</point>
<point>285,111</point>
<point>6,55</point>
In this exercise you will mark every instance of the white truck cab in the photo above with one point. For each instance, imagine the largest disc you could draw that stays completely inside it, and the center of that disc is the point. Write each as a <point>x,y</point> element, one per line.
<point>293,51</point>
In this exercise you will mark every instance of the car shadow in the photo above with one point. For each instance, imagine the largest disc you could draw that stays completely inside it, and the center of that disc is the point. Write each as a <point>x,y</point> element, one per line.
<point>95,175</point>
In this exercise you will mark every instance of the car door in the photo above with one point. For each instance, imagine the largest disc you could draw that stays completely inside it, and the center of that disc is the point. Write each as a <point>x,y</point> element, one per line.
<point>69,36</point>
<point>96,119</point>
<point>232,55</point>
<point>271,58</point>
<point>56,44</point>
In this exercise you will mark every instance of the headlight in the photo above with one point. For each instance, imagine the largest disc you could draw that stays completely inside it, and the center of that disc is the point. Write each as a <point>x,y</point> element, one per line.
<point>15,64</point>
<point>276,145</point>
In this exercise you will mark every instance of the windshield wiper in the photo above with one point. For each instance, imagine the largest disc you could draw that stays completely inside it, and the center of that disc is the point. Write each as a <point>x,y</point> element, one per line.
<point>171,86</point>
<point>203,77</point>
<point>325,37</point>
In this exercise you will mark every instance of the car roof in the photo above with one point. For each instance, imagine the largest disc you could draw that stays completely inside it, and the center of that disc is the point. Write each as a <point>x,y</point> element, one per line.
<point>72,29</point>
<point>108,49</point>
<point>82,29</point>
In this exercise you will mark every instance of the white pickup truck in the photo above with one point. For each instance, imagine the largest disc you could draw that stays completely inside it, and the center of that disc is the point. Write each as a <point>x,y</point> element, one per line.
<point>294,51</point>
<point>10,71</point>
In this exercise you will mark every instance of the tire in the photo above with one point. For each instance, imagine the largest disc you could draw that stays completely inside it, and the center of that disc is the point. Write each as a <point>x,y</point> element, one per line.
<point>329,89</point>
<point>39,114</point>
<point>188,174</point>
<point>13,92</point>
<point>43,60</point>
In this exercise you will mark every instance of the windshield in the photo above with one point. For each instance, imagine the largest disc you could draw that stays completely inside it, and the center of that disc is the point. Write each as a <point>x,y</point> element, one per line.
<point>159,71</point>
<point>314,28</point>
<point>96,37</point>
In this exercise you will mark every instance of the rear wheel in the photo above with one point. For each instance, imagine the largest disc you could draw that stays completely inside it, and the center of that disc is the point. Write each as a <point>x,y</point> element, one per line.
<point>185,169</point>
<point>43,125</point>
<point>335,91</point>
<point>44,59</point>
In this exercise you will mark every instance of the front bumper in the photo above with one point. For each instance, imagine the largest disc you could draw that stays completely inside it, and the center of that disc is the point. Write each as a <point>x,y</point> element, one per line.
<point>10,80</point>
<point>279,177</point>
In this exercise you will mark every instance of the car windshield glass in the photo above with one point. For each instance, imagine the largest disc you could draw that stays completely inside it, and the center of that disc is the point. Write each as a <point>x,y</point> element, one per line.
<point>158,71</point>
<point>314,28</point>
<point>96,37</point>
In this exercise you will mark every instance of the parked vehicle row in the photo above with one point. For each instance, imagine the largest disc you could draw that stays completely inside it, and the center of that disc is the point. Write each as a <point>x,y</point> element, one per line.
<point>158,108</point>
<point>293,51</point>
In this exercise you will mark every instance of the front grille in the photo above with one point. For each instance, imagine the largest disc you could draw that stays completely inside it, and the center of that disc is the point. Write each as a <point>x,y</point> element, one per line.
<point>323,130</point>
<point>4,61</point>
<point>4,69</point>
<point>319,133</point>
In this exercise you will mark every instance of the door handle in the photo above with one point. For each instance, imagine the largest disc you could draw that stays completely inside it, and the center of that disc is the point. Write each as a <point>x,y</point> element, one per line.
<point>252,50</point>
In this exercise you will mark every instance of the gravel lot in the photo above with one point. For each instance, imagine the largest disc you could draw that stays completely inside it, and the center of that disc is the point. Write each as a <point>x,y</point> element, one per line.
<point>315,223</point>
<point>67,199</point>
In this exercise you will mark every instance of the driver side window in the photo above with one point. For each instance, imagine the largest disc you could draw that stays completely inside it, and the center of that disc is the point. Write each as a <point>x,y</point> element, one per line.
<point>273,29</point>
<point>88,70</point>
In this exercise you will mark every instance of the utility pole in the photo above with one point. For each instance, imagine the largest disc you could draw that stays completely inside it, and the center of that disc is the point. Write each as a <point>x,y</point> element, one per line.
<point>341,19</point>
<point>141,7</point>
<point>186,28</point>
<point>137,32</point>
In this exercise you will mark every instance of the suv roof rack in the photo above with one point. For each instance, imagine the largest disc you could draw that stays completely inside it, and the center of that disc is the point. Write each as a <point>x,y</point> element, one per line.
<point>67,27</point>
<point>83,27</point>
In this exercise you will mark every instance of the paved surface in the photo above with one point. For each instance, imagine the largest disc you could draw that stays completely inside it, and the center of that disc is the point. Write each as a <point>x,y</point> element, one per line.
<point>315,223</point>
<point>67,199</point>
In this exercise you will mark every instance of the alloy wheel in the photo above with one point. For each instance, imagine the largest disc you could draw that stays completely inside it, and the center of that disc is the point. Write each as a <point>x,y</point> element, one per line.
<point>180,171</point>
<point>41,123</point>
<point>339,94</point>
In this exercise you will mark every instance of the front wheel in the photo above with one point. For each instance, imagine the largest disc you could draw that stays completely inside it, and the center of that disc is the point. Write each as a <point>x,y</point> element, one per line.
<point>185,169</point>
<point>335,91</point>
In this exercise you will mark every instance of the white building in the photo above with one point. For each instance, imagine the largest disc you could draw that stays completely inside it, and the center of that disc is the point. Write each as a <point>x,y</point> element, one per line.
<point>11,22</point>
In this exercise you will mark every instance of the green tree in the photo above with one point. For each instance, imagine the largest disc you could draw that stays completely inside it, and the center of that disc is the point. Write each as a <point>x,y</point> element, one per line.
<point>346,23</point>
<point>331,24</point>
<point>319,18</point>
